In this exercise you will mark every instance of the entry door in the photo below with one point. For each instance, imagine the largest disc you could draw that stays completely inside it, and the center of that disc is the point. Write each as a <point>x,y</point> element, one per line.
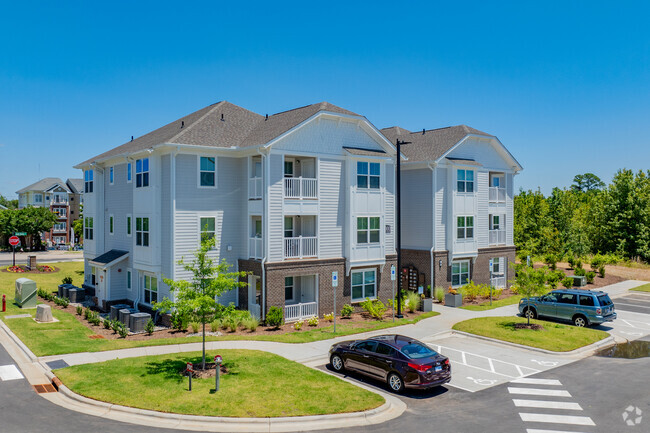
<point>307,289</point>
<point>100,288</point>
<point>254,295</point>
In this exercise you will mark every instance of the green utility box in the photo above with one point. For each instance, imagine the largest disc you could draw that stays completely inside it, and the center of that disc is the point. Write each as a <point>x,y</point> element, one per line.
<point>25,295</point>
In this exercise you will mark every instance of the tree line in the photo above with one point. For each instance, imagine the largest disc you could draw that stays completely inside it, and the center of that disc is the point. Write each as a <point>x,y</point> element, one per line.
<point>30,220</point>
<point>587,218</point>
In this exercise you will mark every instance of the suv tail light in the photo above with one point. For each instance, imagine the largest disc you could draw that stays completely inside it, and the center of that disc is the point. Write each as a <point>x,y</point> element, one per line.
<point>599,311</point>
<point>447,361</point>
<point>421,368</point>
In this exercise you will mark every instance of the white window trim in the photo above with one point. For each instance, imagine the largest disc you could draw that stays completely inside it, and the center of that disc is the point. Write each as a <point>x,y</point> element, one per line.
<point>198,171</point>
<point>356,231</point>
<point>368,176</point>
<point>129,279</point>
<point>111,224</point>
<point>293,290</point>
<point>148,232</point>
<point>198,223</point>
<point>148,172</point>
<point>469,272</point>
<point>111,175</point>
<point>144,287</point>
<point>355,271</point>
<point>465,228</point>
<point>129,167</point>
<point>474,184</point>
<point>129,222</point>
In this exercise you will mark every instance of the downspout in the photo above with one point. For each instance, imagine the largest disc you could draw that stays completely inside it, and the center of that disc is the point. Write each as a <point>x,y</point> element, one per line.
<point>265,227</point>
<point>432,167</point>
<point>172,196</point>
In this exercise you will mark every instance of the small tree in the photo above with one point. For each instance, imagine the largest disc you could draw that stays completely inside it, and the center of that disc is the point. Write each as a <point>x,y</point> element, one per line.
<point>530,282</point>
<point>198,297</point>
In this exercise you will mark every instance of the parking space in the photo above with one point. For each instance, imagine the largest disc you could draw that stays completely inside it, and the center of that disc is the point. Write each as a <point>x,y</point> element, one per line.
<point>634,302</point>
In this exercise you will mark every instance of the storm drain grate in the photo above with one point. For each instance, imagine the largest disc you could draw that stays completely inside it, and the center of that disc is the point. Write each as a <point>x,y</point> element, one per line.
<point>42,389</point>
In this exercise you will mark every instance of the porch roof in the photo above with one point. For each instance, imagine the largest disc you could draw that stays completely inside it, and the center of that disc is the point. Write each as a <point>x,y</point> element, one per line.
<point>109,258</point>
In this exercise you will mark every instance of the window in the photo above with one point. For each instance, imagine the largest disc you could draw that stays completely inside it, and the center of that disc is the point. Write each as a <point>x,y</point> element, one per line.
<point>363,285</point>
<point>258,228</point>
<point>207,228</point>
<point>128,280</point>
<point>368,175</point>
<point>62,212</point>
<point>88,228</point>
<point>459,273</point>
<point>128,173</point>
<point>368,230</point>
<point>465,180</point>
<point>288,168</point>
<point>368,346</point>
<point>384,349</point>
<point>38,198</point>
<point>110,175</point>
<point>150,289</point>
<point>288,289</point>
<point>142,172</point>
<point>495,222</point>
<point>587,300</point>
<point>207,171</point>
<point>88,181</point>
<point>93,279</point>
<point>128,225</point>
<point>465,227</point>
<point>567,298</point>
<point>59,227</point>
<point>142,232</point>
<point>110,224</point>
<point>288,227</point>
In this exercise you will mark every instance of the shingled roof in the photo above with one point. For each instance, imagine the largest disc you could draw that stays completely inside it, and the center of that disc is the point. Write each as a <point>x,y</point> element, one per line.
<point>432,144</point>
<point>43,184</point>
<point>223,125</point>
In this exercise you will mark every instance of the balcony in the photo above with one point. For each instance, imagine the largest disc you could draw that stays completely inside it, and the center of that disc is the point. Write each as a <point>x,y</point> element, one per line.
<point>497,237</point>
<point>255,188</point>
<point>300,188</point>
<point>256,248</point>
<point>305,310</point>
<point>497,195</point>
<point>300,247</point>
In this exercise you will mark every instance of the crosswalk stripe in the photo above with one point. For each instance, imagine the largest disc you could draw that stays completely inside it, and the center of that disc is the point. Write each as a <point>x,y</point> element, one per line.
<point>538,391</point>
<point>547,404</point>
<point>556,419</point>
<point>10,372</point>
<point>529,381</point>
<point>535,430</point>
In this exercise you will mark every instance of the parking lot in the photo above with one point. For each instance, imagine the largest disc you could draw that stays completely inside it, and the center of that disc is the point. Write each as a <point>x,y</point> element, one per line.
<point>638,302</point>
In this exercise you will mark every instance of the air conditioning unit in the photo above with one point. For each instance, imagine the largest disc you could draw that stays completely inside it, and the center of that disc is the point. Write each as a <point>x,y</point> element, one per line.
<point>138,321</point>
<point>25,295</point>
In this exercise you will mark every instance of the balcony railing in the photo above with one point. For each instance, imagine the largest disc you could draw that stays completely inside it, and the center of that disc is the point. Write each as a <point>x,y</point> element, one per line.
<point>255,188</point>
<point>300,247</point>
<point>255,248</point>
<point>300,187</point>
<point>498,281</point>
<point>497,237</point>
<point>497,195</point>
<point>295,312</point>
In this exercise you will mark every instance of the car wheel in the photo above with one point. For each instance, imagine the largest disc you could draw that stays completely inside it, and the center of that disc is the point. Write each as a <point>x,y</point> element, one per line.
<point>395,382</point>
<point>337,363</point>
<point>530,313</point>
<point>580,321</point>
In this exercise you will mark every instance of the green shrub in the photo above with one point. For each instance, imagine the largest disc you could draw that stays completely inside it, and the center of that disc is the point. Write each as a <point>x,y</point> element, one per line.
<point>601,271</point>
<point>554,278</point>
<point>427,291</point>
<point>439,294</point>
<point>66,280</point>
<point>578,263</point>
<point>413,301</point>
<point>94,318</point>
<point>572,262</point>
<point>597,261</point>
<point>87,313</point>
<point>567,282</point>
<point>580,272</point>
<point>312,321</point>
<point>195,327</point>
<point>275,317</point>
<point>298,325</point>
<point>122,331</point>
<point>551,261</point>
<point>328,317</point>
<point>346,311</point>
<point>115,325</point>
<point>232,322</point>
<point>149,327</point>
<point>215,326</point>
<point>496,292</point>
<point>251,323</point>
<point>80,310</point>
<point>180,320</point>
<point>590,277</point>
<point>470,291</point>
<point>376,308</point>
<point>107,323</point>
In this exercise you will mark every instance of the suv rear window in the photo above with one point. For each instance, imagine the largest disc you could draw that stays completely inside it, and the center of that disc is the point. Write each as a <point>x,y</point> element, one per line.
<point>587,300</point>
<point>604,300</point>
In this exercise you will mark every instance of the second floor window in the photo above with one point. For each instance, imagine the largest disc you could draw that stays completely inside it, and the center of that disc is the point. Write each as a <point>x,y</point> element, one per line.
<point>207,228</point>
<point>142,172</point>
<point>207,173</point>
<point>495,222</point>
<point>38,198</point>
<point>62,212</point>
<point>88,181</point>
<point>128,172</point>
<point>368,175</point>
<point>111,175</point>
<point>465,227</point>
<point>465,180</point>
<point>128,225</point>
<point>142,232</point>
<point>88,228</point>
<point>110,224</point>
<point>59,227</point>
<point>368,230</point>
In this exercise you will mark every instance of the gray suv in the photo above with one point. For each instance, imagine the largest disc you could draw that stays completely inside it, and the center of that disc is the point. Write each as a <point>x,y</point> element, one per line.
<point>582,307</point>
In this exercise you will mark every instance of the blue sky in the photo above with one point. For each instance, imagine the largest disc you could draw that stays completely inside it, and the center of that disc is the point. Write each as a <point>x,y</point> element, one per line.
<point>564,85</point>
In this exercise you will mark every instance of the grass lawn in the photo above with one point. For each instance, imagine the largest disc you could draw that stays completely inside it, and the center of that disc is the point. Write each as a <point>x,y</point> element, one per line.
<point>643,288</point>
<point>514,299</point>
<point>555,336</point>
<point>258,384</point>
<point>70,336</point>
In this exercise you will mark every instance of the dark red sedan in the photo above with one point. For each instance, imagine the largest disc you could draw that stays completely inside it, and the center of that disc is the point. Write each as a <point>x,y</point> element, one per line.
<point>401,361</point>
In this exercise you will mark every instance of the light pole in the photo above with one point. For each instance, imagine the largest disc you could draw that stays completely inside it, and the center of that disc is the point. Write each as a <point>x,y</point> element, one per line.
<point>399,227</point>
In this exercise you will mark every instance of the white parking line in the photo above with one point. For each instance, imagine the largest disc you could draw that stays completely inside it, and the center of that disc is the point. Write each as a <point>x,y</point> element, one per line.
<point>530,381</point>
<point>521,370</point>
<point>10,372</point>
<point>535,430</point>
<point>632,305</point>
<point>539,391</point>
<point>556,419</point>
<point>544,404</point>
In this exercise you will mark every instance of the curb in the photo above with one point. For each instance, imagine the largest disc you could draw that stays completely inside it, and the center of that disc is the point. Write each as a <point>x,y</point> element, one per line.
<point>592,348</point>
<point>28,353</point>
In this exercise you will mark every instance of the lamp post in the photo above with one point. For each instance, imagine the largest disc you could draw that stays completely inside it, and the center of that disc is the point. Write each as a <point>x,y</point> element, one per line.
<point>399,227</point>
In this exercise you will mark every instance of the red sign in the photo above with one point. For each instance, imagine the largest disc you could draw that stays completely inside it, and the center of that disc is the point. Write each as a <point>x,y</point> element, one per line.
<point>218,359</point>
<point>14,241</point>
<point>190,367</point>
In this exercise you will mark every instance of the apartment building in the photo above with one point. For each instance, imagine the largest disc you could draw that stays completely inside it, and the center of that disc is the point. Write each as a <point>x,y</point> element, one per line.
<point>62,198</point>
<point>303,200</point>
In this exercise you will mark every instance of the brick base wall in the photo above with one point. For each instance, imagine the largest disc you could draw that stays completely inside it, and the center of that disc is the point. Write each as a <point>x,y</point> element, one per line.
<point>254,267</point>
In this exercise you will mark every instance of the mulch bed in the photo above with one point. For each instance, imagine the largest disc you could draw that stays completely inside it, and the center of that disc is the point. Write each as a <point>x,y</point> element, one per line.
<point>209,371</point>
<point>505,293</point>
<point>598,281</point>
<point>533,326</point>
<point>39,270</point>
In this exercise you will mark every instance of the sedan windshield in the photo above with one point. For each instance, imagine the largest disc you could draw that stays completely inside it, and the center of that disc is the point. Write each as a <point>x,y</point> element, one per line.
<point>416,351</point>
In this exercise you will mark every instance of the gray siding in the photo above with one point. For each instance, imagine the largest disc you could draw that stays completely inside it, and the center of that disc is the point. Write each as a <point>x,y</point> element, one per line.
<point>118,201</point>
<point>389,218</point>
<point>416,209</point>
<point>166,217</point>
<point>275,212</point>
<point>510,187</point>
<point>118,281</point>
<point>442,208</point>
<point>482,223</point>
<point>332,207</point>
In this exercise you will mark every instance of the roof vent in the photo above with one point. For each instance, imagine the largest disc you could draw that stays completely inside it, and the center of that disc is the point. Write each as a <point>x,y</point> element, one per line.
<point>182,123</point>
<point>131,138</point>
<point>267,117</point>
<point>222,117</point>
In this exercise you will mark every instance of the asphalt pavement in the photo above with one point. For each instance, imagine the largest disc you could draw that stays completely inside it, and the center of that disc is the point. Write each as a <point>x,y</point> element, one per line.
<point>6,258</point>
